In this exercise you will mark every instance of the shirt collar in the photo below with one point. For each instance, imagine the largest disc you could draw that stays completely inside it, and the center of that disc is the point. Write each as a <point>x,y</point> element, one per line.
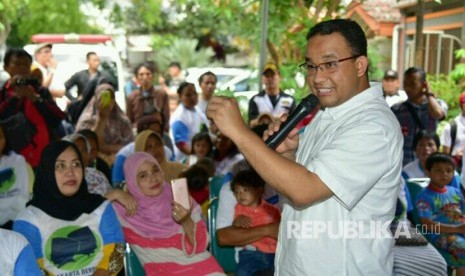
<point>355,102</point>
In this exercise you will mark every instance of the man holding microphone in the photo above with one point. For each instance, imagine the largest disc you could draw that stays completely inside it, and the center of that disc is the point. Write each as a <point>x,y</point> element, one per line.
<point>340,176</point>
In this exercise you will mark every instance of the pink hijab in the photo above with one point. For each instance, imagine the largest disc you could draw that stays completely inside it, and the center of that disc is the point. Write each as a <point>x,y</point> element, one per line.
<point>153,218</point>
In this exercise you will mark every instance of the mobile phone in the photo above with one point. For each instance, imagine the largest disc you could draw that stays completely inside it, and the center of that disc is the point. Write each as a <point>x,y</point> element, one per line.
<point>180,192</point>
<point>105,98</point>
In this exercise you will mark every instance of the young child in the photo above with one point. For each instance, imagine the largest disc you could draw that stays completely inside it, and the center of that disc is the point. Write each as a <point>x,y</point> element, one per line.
<point>250,211</point>
<point>425,143</point>
<point>202,146</point>
<point>197,182</point>
<point>440,208</point>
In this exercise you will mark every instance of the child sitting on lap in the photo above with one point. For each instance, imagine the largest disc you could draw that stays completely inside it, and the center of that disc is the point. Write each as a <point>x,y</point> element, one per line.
<point>250,211</point>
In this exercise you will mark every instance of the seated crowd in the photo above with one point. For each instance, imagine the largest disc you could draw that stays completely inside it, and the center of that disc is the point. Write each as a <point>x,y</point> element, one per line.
<point>76,190</point>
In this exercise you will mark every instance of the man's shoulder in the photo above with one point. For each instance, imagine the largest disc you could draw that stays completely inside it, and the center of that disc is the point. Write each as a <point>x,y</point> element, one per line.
<point>285,95</point>
<point>259,95</point>
<point>399,106</point>
<point>156,90</point>
<point>134,94</point>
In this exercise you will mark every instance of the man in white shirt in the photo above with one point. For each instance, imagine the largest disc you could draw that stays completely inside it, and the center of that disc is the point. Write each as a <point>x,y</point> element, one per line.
<point>453,136</point>
<point>43,59</point>
<point>341,176</point>
<point>391,91</point>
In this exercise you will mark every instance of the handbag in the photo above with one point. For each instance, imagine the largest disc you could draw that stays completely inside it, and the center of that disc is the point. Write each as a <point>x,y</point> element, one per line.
<point>19,131</point>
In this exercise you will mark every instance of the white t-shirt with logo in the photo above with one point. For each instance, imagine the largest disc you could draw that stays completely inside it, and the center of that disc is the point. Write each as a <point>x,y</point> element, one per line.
<point>68,247</point>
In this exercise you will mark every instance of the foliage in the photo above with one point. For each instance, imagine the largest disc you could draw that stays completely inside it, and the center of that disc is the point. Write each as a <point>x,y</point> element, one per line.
<point>374,71</point>
<point>289,73</point>
<point>242,101</point>
<point>143,16</point>
<point>447,90</point>
<point>50,16</point>
<point>183,51</point>
<point>235,24</point>
<point>458,74</point>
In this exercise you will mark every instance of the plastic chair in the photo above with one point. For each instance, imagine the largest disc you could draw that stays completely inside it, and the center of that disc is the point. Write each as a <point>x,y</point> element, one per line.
<point>132,266</point>
<point>223,254</point>
<point>414,189</point>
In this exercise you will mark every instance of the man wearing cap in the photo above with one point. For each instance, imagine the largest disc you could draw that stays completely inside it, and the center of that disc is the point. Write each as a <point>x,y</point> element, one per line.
<point>453,136</point>
<point>271,99</point>
<point>391,91</point>
<point>46,63</point>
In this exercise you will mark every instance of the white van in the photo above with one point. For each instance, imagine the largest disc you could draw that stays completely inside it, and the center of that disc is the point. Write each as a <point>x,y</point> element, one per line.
<point>70,53</point>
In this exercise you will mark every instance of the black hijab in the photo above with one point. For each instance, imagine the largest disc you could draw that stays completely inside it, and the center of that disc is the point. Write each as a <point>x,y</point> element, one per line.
<point>46,194</point>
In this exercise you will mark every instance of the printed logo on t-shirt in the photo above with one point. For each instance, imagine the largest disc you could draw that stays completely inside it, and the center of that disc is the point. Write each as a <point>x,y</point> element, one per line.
<point>72,247</point>
<point>7,179</point>
<point>286,103</point>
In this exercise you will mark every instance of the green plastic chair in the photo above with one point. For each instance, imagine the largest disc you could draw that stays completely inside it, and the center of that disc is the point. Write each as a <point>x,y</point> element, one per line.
<point>132,266</point>
<point>414,189</point>
<point>223,254</point>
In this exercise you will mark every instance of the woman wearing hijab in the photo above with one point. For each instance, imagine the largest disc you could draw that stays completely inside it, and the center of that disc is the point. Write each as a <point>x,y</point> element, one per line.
<point>103,115</point>
<point>71,231</point>
<point>167,238</point>
<point>150,142</point>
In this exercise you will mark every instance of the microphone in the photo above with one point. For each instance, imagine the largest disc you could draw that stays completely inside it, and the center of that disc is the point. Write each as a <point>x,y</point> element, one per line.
<point>307,105</point>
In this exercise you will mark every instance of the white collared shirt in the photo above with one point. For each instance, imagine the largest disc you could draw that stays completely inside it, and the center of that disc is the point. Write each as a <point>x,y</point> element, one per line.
<point>356,150</point>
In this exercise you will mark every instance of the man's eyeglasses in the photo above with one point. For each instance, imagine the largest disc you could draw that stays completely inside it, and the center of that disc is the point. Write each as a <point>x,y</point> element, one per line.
<point>324,68</point>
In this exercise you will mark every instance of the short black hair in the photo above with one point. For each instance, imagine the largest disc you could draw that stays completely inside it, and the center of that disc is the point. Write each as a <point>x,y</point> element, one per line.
<point>197,177</point>
<point>16,52</point>
<point>414,70</point>
<point>426,134</point>
<point>7,148</point>
<point>247,178</point>
<point>207,164</point>
<point>175,64</point>
<point>148,118</point>
<point>90,54</point>
<point>209,73</point>
<point>183,86</point>
<point>89,134</point>
<point>147,65</point>
<point>349,29</point>
<point>437,158</point>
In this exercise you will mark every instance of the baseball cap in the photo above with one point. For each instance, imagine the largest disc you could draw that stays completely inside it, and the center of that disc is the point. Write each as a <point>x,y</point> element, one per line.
<point>270,66</point>
<point>390,74</point>
<point>42,45</point>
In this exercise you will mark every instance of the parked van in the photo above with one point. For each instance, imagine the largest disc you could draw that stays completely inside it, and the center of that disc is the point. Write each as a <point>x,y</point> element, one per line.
<point>70,53</point>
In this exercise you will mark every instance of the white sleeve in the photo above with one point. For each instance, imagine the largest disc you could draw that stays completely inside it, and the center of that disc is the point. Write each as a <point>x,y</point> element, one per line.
<point>446,140</point>
<point>226,204</point>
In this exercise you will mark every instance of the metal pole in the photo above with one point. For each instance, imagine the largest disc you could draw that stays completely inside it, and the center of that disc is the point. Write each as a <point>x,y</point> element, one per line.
<point>263,42</point>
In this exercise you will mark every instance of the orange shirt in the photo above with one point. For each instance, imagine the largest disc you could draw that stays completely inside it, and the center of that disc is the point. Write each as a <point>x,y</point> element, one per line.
<point>264,213</point>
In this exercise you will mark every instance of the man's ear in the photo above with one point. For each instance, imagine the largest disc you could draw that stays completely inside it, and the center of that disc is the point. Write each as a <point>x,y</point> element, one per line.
<point>361,64</point>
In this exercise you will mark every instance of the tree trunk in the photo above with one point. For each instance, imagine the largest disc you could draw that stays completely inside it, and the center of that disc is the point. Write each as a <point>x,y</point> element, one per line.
<point>419,47</point>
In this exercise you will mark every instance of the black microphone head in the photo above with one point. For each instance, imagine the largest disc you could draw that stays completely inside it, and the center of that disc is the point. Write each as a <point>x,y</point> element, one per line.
<point>310,101</point>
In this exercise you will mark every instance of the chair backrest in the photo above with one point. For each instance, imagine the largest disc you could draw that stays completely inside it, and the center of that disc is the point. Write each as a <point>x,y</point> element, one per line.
<point>414,189</point>
<point>132,266</point>
<point>224,255</point>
